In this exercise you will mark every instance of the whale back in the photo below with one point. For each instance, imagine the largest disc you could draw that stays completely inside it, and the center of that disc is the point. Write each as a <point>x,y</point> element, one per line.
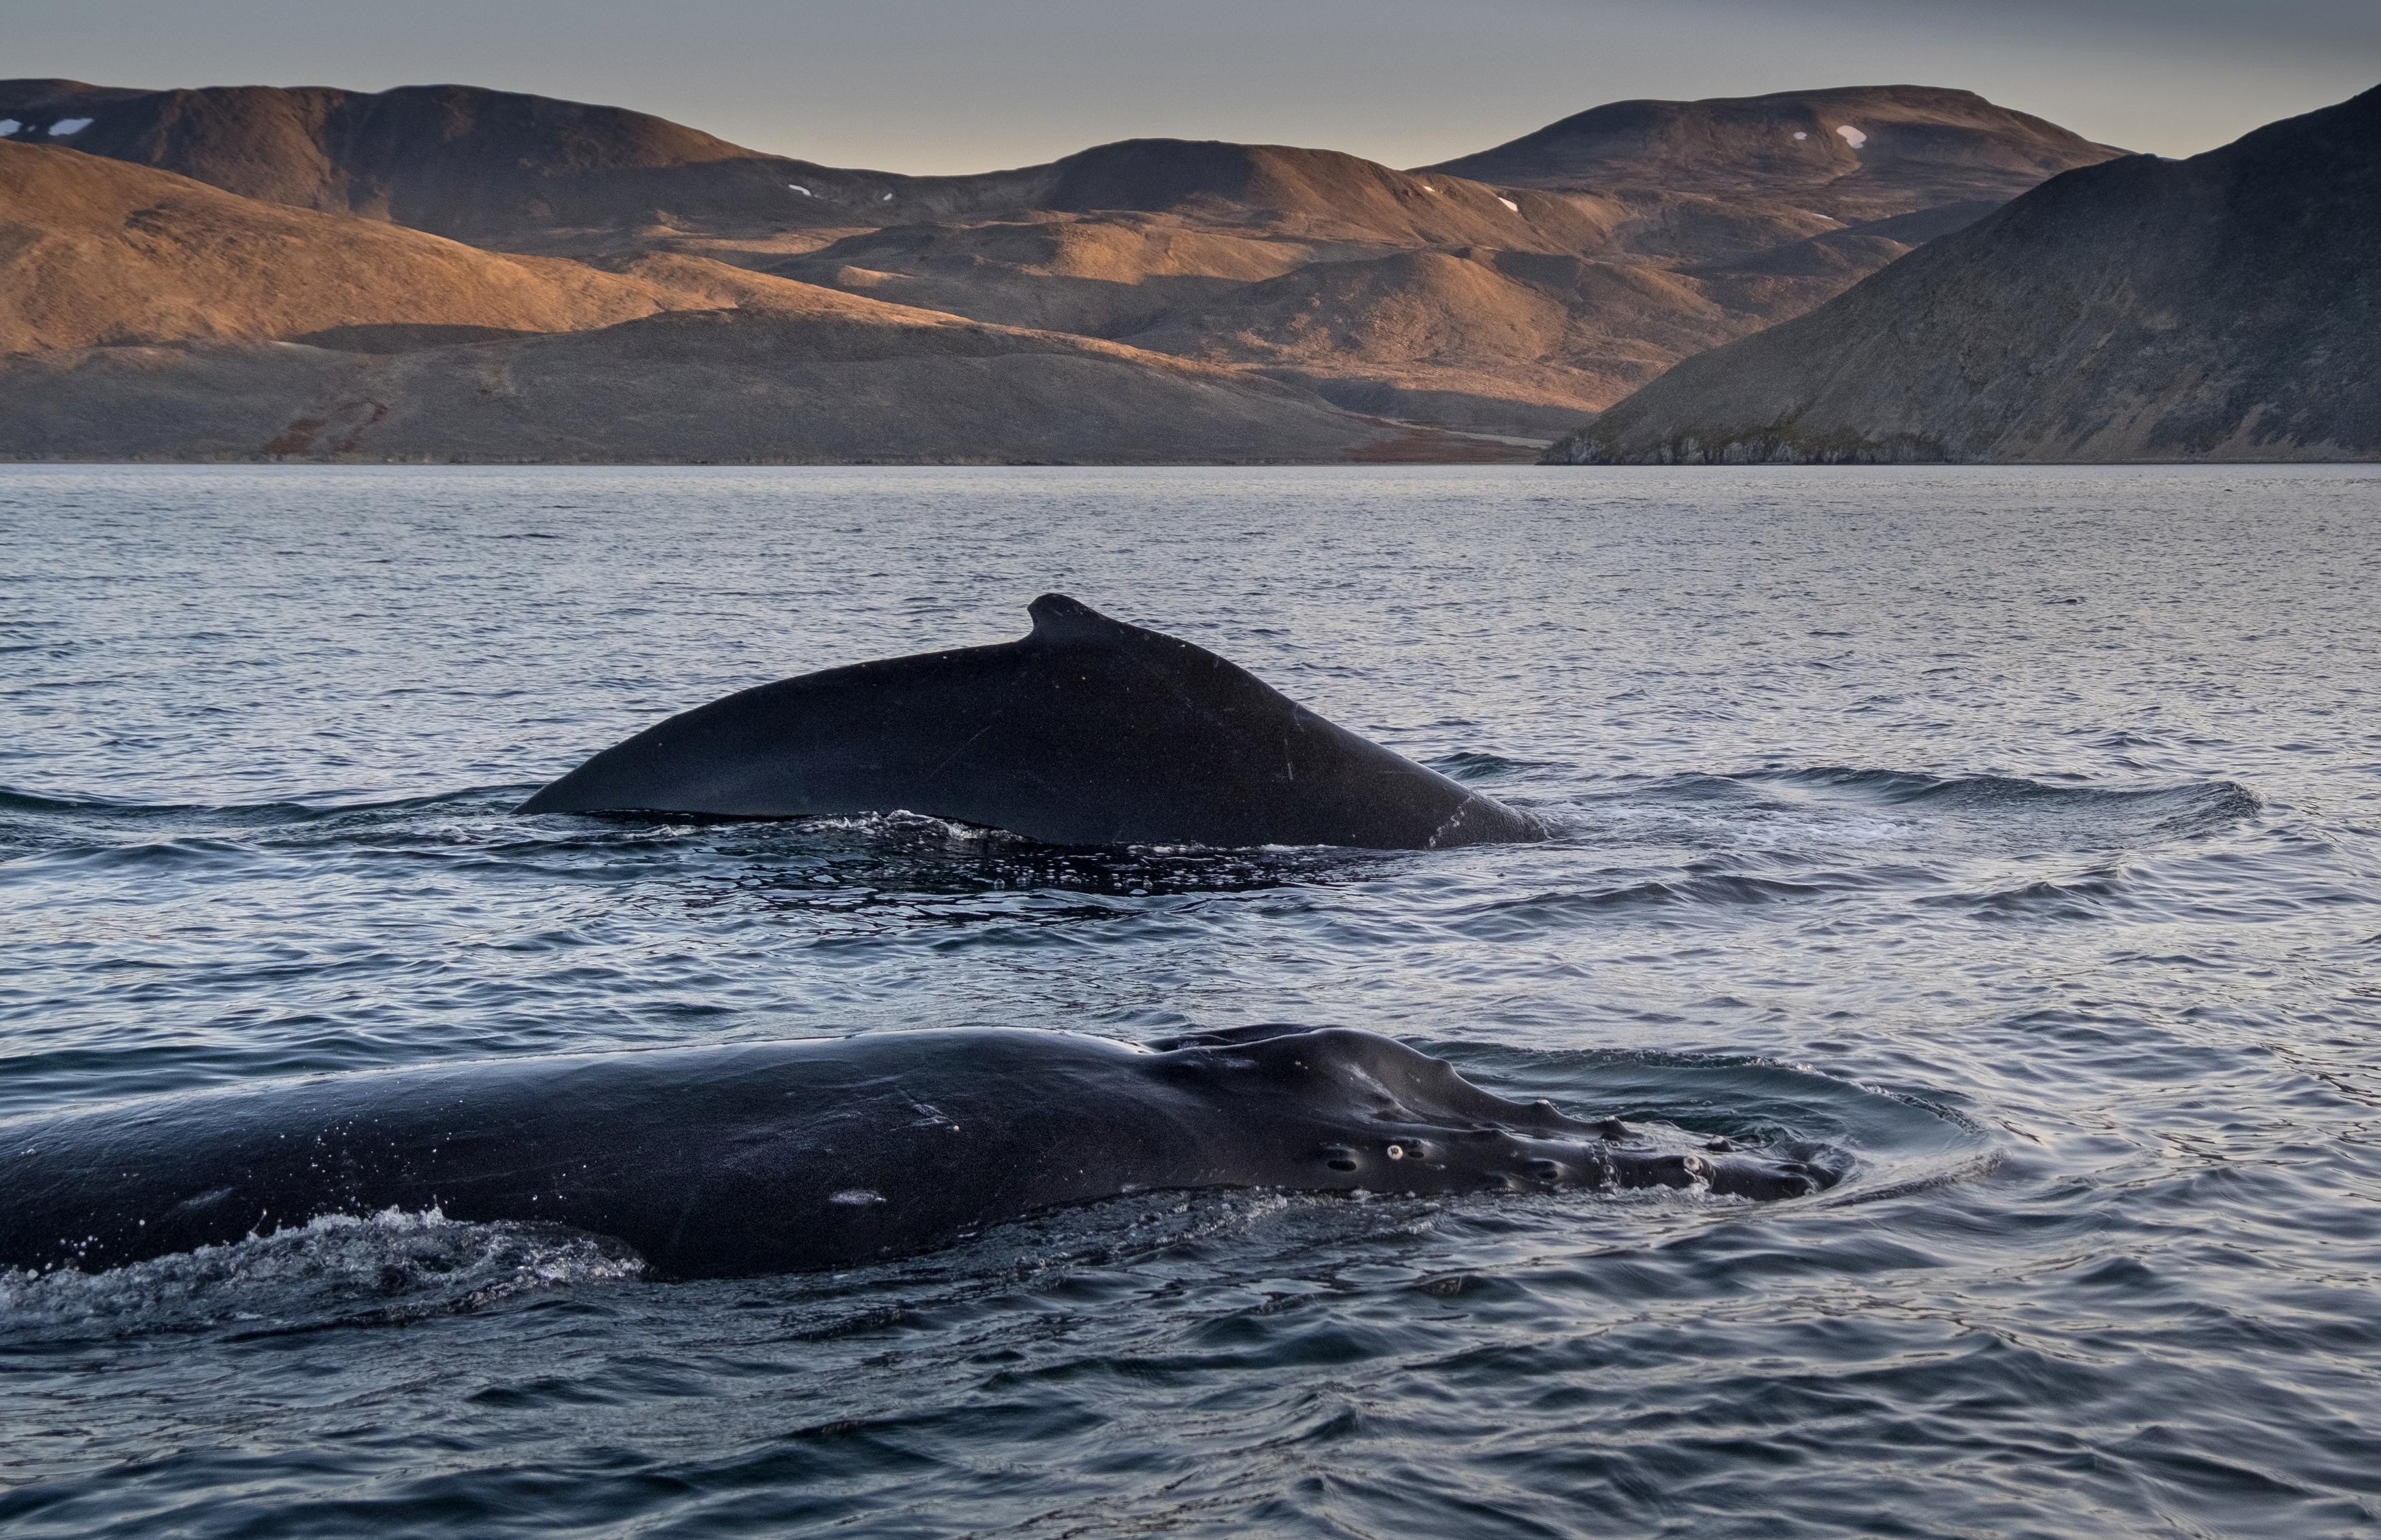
<point>1087,731</point>
<point>785,1156</point>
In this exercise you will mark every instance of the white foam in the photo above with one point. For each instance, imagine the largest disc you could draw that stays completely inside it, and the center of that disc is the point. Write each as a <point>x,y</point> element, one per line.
<point>1852,135</point>
<point>8,126</point>
<point>900,823</point>
<point>858,1197</point>
<point>401,1265</point>
<point>803,191</point>
<point>1510,205</point>
<point>68,125</point>
<point>1800,134</point>
<point>887,199</point>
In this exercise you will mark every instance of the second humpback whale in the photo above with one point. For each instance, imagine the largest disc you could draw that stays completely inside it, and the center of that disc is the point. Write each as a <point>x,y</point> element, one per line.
<point>1087,731</point>
<point>785,1156</point>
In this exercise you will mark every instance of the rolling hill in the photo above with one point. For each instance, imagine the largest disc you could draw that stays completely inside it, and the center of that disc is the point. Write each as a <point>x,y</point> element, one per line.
<point>1509,293</point>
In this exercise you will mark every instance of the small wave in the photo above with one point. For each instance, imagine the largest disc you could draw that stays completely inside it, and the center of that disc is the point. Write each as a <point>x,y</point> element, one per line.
<point>1476,766</point>
<point>98,812</point>
<point>339,1270</point>
<point>1508,919</point>
<point>1111,1232</point>
<point>1886,1142</point>
<point>1919,809</point>
<point>18,799</point>
<point>2087,896</point>
<point>2198,802</point>
<point>36,823</point>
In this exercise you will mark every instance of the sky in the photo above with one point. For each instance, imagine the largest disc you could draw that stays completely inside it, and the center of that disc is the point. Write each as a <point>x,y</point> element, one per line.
<point>932,86</point>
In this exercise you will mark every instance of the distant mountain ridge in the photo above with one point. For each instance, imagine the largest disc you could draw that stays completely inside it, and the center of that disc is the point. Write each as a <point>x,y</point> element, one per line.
<point>2224,306</point>
<point>1864,150</point>
<point>1428,297</point>
<point>459,161</point>
<point>485,166</point>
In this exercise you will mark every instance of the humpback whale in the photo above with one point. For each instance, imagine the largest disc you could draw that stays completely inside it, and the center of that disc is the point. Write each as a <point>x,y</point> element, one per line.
<point>769,1158</point>
<point>1087,731</point>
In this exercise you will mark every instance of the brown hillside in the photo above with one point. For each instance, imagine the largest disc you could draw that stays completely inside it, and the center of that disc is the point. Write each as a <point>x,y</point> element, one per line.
<point>1316,194</point>
<point>849,379</point>
<point>1425,328</point>
<point>1098,277</point>
<point>293,332</point>
<point>95,251</point>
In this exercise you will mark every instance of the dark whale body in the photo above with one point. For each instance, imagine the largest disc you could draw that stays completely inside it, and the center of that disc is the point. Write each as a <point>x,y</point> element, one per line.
<point>1087,731</point>
<point>785,1156</point>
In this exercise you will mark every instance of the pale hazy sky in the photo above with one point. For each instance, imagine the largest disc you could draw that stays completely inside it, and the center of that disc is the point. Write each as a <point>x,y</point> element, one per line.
<point>941,86</point>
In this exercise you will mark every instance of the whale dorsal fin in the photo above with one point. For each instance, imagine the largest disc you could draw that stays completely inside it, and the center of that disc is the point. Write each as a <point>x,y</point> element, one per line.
<point>1059,619</point>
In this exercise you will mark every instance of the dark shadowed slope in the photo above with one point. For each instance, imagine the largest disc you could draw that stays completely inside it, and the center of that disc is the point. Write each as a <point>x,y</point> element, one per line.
<point>2225,307</point>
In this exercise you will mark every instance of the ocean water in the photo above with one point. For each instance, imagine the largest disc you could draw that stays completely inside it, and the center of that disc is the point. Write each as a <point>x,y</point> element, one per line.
<point>2016,831</point>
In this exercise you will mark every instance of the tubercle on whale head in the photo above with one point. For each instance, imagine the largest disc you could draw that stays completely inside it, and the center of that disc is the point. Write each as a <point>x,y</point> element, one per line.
<point>1514,1163</point>
<point>1407,1089</point>
<point>1396,1119</point>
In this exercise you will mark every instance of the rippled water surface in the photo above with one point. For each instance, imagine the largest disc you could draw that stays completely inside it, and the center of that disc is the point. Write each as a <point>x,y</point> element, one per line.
<point>2016,831</point>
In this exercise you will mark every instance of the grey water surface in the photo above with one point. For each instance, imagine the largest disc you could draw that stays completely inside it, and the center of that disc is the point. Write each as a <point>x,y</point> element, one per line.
<point>2017,831</point>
